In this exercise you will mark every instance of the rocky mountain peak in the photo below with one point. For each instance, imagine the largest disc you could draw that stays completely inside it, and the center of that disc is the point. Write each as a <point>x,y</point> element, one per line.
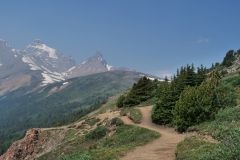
<point>37,42</point>
<point>92,65</point>
<point>98,54</point>
<point>40,60</point>
<point>42,49</point>
<point>98,57</point>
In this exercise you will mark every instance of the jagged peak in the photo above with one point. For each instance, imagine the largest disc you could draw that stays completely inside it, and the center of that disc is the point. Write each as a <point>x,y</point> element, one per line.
<point>37,41</point>
<point>96,57</point>
<point>40,45</point>
<point>98,54</point>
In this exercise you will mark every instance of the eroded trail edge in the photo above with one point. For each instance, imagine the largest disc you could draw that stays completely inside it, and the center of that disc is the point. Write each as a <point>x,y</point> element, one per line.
<point>161,149</point>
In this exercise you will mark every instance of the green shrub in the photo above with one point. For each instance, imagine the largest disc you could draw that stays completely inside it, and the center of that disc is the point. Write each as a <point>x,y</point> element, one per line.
<point>124,111</point>
<point>77,156</point>
<point>116,121</point>
<point>201,103</point>
<point>129,136</point>
<point>97,133</point>
<point>135,115</point>
<point>225,120</point>
<point>120,101</point>
<point>225,128</point>
<point>193,107</point>
<point>193,148</point>
<point>92,121</point>
<point>197,149</point>
<point>228,149</point>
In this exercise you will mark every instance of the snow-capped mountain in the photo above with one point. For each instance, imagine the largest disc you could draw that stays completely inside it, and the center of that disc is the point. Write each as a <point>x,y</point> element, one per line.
<point>39,65</point>
<point>44,65</point>
<point>56,67</point>
<point>49,61</point>
<point>92,65</point>
<point>46,57</point>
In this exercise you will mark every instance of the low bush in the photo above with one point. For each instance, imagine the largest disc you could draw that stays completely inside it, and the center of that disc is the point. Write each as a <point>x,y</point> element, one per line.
<point>200,103</point>
<point>124,111</point>
<point>116,121</point>
<point>97,133</point>
<point>135,115</point>
<point>193,148</point>
<point>78,156</point>
<point>225,128</point>
<point>92,121</point>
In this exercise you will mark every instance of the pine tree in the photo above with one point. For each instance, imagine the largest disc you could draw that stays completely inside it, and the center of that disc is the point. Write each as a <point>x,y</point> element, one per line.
<point>229,58</point>
<point>170,94</point>
<point>141,91</point>
<point>162,111</point>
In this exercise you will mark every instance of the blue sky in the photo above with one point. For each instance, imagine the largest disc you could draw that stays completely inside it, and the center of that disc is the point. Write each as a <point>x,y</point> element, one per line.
<point>154,36</point>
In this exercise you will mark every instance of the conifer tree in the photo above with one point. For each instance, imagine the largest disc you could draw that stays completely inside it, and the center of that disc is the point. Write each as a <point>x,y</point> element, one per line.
<point>229,58</point>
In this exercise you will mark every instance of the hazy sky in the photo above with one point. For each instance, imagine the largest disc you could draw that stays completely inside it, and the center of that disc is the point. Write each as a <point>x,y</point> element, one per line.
<point>155,36</point>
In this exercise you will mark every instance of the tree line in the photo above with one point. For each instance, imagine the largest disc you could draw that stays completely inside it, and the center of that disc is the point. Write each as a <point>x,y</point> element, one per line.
<point>192,96</point>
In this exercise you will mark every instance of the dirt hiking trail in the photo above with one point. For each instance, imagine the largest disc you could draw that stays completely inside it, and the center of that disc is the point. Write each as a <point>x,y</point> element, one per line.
<point>161,149</point>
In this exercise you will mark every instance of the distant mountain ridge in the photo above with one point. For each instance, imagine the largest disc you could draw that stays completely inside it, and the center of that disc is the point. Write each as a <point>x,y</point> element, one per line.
<point>41,65</point>
<point>57,67</point>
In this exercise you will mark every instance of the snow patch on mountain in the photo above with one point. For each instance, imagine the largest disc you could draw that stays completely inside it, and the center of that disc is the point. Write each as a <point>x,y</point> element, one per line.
<point>65,83</point>
<point>109,67</point>
<point>31,63</point>
<point>50,65</point>
<point>49,78</point>
<point>151,78</point>
<point>43,47</point>
<point>84,62</point>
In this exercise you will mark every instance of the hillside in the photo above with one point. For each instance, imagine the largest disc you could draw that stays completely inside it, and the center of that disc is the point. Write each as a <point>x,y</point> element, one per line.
<point>58,103</point>
<point>128,132</point>
<point>224,128</point>
<point>98,136</point>
<point>194,113</point>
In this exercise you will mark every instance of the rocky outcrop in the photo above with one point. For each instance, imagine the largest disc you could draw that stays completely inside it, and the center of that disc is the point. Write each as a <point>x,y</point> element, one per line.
<point>36,143</point>
<point>25,148</point>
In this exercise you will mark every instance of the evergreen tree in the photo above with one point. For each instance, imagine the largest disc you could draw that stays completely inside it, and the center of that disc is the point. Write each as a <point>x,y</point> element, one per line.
<point>200,103</point>
<point>229,58</point>
<point>162,111</point>
<point>170,93</point>
<point>141,91</point>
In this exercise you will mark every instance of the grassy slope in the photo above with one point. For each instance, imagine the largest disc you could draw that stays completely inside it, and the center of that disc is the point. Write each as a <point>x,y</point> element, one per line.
<point>126,137</point>
<point>133,113</point>
<point>225,128</point>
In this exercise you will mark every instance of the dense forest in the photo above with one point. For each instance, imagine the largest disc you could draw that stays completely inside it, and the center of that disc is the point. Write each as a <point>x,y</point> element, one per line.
<point>193,95</point>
